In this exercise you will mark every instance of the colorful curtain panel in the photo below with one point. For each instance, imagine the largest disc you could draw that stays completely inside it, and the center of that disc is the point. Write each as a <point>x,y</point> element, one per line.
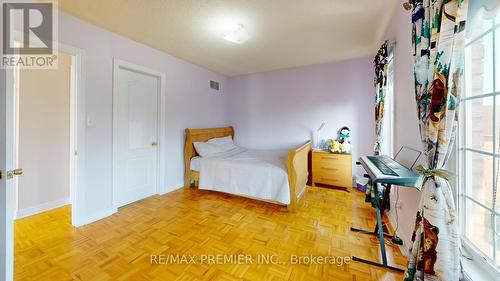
<point>380,88</point>
<point>438,35</point>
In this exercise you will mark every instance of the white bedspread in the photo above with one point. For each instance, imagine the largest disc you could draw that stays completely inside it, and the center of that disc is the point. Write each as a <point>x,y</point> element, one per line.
<point>195,163</point>
<point>253,173</point>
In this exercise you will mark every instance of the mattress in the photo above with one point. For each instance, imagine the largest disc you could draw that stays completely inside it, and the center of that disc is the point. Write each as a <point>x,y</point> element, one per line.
<point>258,174</point>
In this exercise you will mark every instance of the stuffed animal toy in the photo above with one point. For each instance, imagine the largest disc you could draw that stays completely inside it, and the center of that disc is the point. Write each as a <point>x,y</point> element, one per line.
<point>430,240</point>
<point>345,139</point>
<point>335,146</point>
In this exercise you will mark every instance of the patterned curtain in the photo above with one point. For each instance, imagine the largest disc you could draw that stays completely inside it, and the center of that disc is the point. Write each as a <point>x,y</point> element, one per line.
<point>380,92</point>
<point>380,81</point>
<point>438,35</point>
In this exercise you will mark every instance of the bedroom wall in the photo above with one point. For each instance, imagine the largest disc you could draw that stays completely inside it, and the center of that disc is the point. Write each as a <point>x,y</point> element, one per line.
<point>44,135</point>
<point>189,103</point>
<point>406,130</point>
<point>281,109</point>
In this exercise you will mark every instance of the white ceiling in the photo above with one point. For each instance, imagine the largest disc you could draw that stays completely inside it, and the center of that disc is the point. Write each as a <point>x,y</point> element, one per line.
<point>285,33</point>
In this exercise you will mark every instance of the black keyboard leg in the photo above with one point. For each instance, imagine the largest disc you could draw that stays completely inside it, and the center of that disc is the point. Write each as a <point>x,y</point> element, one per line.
<point>379,231</point>
<point>383,253</point>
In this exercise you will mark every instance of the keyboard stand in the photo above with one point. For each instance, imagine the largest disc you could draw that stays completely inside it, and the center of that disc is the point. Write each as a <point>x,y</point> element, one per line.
<point>379,229</point>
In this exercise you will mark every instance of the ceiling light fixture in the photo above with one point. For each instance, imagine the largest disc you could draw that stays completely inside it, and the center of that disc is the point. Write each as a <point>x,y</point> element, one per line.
<point>238,35</point>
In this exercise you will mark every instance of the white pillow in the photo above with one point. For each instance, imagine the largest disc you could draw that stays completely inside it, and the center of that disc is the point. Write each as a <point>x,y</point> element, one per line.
<point>206,149</point>
<point>224,143</point>
<point>226,139</point>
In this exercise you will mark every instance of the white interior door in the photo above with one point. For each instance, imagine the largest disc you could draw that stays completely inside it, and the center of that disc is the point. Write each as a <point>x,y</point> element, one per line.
<point>6,182</point>
<point>136,136</point>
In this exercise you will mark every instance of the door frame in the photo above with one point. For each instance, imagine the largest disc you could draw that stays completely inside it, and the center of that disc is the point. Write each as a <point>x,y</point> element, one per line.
<point>161,130</point>
<point>77,129</point>
<point>77,175</point>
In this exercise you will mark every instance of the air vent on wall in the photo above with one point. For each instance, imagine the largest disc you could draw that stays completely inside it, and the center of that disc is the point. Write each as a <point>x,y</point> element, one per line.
<point>214,85</point>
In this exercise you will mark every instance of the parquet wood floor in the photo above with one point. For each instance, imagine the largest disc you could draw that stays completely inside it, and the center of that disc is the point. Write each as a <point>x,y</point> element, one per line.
<point>195,222</point>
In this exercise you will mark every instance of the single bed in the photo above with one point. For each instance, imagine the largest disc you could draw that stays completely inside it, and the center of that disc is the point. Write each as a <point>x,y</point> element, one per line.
<point>276,177</point>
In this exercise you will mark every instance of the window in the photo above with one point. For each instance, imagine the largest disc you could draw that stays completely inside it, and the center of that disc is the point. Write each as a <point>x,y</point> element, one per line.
<point>387,145</point>
<point>479,144</point>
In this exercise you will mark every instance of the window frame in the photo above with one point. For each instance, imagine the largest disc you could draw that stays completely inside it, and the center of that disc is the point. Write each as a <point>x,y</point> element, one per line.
<point>476,254</point>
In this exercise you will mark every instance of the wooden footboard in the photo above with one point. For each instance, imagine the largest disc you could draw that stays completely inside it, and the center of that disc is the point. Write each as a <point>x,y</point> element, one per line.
<point>297,165</point>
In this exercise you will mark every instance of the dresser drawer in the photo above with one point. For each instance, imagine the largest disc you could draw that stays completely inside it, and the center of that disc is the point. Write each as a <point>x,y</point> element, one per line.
<point>324,156</point>
<point>329,167</point>
<point>331,160</point>
<point>344,180</point>
<point>332,169</point>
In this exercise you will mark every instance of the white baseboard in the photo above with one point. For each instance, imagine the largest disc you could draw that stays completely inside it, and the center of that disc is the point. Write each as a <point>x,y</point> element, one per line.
<point>110,211</point>
<point>27,212</point>
<point>97,216</point>
<point>169,189</point>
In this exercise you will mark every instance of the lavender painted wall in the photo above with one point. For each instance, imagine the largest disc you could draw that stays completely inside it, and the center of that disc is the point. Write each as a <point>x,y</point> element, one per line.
<point>190,103</point>
<point>281,109</point>
<point>269,110</point>
<point>406,130</point>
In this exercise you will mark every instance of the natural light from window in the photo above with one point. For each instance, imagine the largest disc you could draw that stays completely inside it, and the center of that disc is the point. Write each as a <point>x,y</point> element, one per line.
<point>479,140</point>
<point>387,145</point>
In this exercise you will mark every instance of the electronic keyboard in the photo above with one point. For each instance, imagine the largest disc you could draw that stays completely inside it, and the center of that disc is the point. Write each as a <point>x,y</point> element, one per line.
<point>383,169</point>
<point>384,172</point>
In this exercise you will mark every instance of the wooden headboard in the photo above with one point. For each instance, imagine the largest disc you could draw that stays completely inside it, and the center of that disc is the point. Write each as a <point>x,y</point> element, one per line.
<point>194,135</point>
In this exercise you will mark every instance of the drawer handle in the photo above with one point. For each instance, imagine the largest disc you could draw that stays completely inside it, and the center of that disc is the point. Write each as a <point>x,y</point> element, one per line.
<point>329,179</point>
<point>329,158</point>
<point>329,169</point>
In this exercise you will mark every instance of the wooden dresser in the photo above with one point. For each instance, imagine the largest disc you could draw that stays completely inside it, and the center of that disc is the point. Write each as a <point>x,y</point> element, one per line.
<point>331,169</point>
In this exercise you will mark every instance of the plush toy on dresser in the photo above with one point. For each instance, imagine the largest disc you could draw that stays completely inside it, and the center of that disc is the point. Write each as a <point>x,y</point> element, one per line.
<point>335,146</point>
<point>345,139</point>
<point>332,165</point>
